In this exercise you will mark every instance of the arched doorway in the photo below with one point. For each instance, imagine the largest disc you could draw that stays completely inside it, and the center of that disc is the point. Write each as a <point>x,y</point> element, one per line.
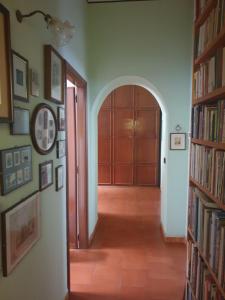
<point>129,124</point>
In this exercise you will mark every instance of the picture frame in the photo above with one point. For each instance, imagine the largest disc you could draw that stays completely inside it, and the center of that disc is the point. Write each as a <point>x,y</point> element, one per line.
<point>45,174</point>
<point>21,121</point>
<point>177,141</point>
<point>61,118</point>
<point>54,75</point>
<point>59,177</point>
<point>43,128</point>
<point>6,112</point>
<point>15,168</point>
<point>20,225</point>
<point>61,149</point>
<point>20,68</point>
<point>34,83</point>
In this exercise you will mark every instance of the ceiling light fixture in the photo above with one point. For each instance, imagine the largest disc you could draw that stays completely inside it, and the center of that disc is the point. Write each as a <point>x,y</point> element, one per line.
<point>62,31</point>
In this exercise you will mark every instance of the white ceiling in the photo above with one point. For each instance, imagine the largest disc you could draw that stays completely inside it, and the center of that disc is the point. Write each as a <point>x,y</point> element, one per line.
<point>99,1</point>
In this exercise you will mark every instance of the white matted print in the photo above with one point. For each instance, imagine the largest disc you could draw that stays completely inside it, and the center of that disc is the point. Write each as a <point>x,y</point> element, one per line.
<point>177,141</point>
<point>56,72</point>
<point>20,77</point>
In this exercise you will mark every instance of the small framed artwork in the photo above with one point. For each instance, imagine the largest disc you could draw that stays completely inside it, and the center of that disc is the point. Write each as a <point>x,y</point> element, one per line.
<point>61,149</point>
<point>20,231</point>
<point>6,114</point>
<point>177,141</point>
<point>15,168</point>
<point>43,128</point>
<point>34,83</point>
<point>21,121</point>
<point>54,75</point>
<point>45,174</point>
<point>20,77</point>
<point>59,177</point>
<point>61,118</point>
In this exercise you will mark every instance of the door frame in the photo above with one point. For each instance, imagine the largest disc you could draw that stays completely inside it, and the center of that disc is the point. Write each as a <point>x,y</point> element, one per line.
<point>82,184</point>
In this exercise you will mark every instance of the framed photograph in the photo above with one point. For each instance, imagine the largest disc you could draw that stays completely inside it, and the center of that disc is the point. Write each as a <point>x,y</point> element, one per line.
<point>45,174</point>
<point>54,75</point>
<point>6,114</point>
<point>20,231</point>
<point>43,128</point>
<point>61,149</point>
<point>34,83</point>
<point>21,121</point>
<point>59,177</point>
<point>177,141</point>
<point>61,118</point>
<point>20,77</point>
<point>15,168</point>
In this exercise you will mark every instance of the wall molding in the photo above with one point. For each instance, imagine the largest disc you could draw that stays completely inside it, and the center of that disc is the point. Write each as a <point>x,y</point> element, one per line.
<point>172,239</point>
<point>92,236</point>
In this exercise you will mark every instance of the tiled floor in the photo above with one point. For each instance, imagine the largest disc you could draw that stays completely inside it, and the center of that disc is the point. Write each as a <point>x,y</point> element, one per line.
<point>128,259</point>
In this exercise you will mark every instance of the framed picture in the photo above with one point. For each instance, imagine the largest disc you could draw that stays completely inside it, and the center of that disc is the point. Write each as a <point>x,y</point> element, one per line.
<point>34,83</point>
<point>21,121</point>
<point>20,77</point>
<point>61,149</point>
<point>59,177</point>
<point>45,174</point>
<point>61,118</point>
<point>20,231</point>
<point>6,114</point>
<point>177,141</point>
<point>43,128</point>
<point>54,75</point>
<point>15,168</point>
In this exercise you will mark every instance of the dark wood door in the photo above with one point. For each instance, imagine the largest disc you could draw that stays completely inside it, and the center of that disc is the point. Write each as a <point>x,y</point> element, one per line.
<point>128,138</point>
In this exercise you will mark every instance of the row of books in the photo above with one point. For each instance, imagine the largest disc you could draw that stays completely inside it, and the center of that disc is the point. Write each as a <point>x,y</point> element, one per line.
<point>208,122</point>
<point>210,75</point>
<point>219,184</point>
<point>202,284</point>
<point>210,28</point>
<point>202,5</point>
<point>202,165</point>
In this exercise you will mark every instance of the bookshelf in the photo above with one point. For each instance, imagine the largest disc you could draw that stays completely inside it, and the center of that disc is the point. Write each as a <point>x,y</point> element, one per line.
<point>206,212</point>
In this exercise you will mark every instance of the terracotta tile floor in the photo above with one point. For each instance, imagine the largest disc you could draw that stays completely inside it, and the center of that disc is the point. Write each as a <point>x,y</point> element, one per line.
<point>128,259</point>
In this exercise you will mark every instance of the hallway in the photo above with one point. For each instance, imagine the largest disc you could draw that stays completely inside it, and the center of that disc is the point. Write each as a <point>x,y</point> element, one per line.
<point>128,259</point>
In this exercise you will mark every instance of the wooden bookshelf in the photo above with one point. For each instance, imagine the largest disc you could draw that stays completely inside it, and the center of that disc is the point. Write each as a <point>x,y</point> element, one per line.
<point>207,264</point>
<point>204,14</point>
<point>211,49</point>
<point>217,146</point>
<point>212,97</point>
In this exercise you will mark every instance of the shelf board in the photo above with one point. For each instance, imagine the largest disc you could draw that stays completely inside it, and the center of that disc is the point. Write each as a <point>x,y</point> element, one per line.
<point>215,95</point>
<point>205,13</point>
<point>208,266</point>
<point>218,146</point>
<point>210,195</point>
<point>218,42</point>
<point>192,292</point>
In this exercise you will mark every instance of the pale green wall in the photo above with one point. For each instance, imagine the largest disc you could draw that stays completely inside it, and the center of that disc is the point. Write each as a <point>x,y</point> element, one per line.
<point>151,40</point>
<point>41,275</point>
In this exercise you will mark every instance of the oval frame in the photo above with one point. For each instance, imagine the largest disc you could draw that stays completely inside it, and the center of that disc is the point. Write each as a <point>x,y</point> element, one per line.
<point>33,122</point>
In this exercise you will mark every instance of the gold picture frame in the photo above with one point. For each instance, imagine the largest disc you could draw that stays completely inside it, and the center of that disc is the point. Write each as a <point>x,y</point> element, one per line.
<point>6,114</point>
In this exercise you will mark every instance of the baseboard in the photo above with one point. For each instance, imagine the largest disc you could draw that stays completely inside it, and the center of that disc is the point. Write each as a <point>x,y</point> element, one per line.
<point>172,239</point>
<point>91,238</point>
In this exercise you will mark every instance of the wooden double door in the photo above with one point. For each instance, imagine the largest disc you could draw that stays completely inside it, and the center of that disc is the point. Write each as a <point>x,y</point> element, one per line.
<point>128,138</point>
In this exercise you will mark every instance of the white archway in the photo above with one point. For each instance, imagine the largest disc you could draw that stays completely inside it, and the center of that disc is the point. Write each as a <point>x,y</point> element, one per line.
<point>93,142</point>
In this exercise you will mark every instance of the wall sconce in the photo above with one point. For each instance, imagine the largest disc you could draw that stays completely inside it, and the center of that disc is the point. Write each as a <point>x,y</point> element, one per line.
<point>62,31</point>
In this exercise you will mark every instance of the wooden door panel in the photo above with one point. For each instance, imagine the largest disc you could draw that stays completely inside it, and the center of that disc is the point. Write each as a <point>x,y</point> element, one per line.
<point>123,174</point>
<point>107,104</point>
<point>147,123</point>
<point>104,150</point>
<point>123,97</point>
<point>123,123</point>
<point>146,150</point>
<point>146,174</point>
<point>104,123</point>
<point>143,98</point>
<point>123,150</point>
<point>104,174</point>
